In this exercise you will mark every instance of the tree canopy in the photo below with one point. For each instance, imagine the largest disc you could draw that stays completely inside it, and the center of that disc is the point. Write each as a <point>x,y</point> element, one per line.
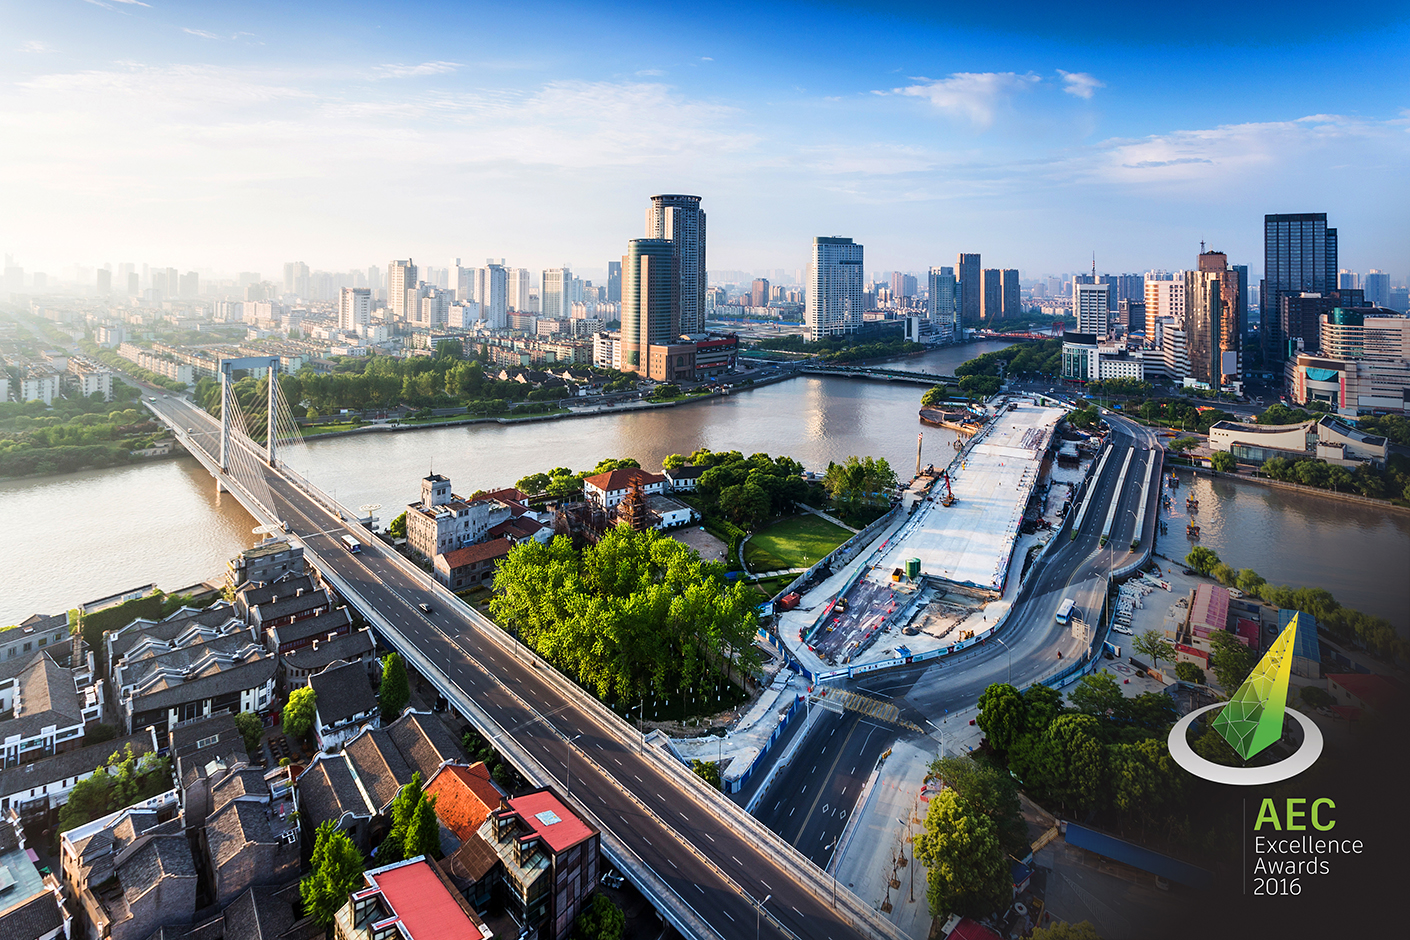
<point>335,871</point>
<point>967,872</point>
<point>395,691</point>
<point>299,711</point>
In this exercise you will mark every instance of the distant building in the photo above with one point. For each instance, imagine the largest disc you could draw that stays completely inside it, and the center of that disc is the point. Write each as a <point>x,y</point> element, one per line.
<point>1087,358</point>
<point>401,290</point>
<point>354,308</point>
<point>992,298</point>
<point>1091,304</point>
<point>942,304</point>
<point>1164,297</point>
<point>1203,322</point>
<point>835,286</point>
<point>1011,305</point>
<point>759,293</point>
<point>971,287</point>
<point>678,219</point>
<point>650,314</point>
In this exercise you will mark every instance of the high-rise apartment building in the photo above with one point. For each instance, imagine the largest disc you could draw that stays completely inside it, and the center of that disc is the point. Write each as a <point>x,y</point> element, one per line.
<point>190,284</point>
<point>903,285</point>
<point>492,293</point>
<point>1377,288</point>
<point>759,293</point>
<point>1299,255</point>
<point>835,287</point>
<point>1012,302</point>
<point>354,308</point>
<point>105,281</point>
<point>1129,287</point>
<point>942,306</point>
<point>295,278</point>
<point>520,282</point>
<point>679,220</point>
<point>463,282</point>
<point>1090,306</point>
<point>992,299</point>
<point>967,269</point>
<point>614,282</point>
<point>1347,280</point>
<point>649,309</point>
<point>1165,297</point>
<point>134,284</point>
<point>1203,320</point>
<point>401,289</point>
<point>556,298</point>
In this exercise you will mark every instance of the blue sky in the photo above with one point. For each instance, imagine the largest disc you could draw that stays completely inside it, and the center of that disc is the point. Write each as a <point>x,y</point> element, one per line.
<point>238,136</point>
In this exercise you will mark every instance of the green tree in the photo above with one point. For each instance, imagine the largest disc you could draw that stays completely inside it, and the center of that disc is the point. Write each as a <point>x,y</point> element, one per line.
<point>1144,779</point>
<point>403,816</point>
<point>966,870</point>
<point>1224,574</point>
<point>395,691</point>
<point>707,770</point>
<point>1154,646</point>
<point>1098,694</point>
<point>1251,582</point>
<point>674,462</point>
<point>988,791</point>
<point>1189,672</point>
<point>299,711</point>
<point>1061,930</point>
<point>933,396</point>
<point>99,733</point>
<point>251,728</point>
<point>1223,461</point>
<point>1230,659</point>
<point>1201,559</point>
<point>397,529</point>
<point>423,832</point>
<point>335,871</point>
<point>1002,715</point>
<point>601,919</point>
<point>1043,704</point>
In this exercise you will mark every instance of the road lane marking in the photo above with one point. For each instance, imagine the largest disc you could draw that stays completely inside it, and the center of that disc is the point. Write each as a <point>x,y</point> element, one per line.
<point>673,864</point>
<point>737,861</point>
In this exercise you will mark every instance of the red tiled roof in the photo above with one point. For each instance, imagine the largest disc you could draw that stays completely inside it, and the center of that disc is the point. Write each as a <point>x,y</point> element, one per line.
<point>470,554</point>
<point>560,836</point>
<point>972,930</point>
<point>465,797</point>
<point>1376,691</point>
<point>518,528</point>
<point>622,478</point>
<point>424,905</point>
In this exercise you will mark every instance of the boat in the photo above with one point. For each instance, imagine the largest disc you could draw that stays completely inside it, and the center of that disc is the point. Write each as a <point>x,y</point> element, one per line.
<point>1192,531</point>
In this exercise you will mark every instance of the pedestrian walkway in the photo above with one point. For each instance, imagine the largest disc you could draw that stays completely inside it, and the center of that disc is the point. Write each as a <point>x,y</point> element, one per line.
<point>829,517</point>
<point>870,707</point>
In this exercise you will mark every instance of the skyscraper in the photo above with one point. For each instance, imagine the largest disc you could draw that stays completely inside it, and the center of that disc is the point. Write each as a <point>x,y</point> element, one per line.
<point>1377,288</point>
<point>556,299</point>
<point>354,308</point>
<point>759,293</point>
<point>105,280</point>
<point>491,290</point>
<point>1203,321</point>
<point>1347,280</point>
<point>1089,305</point>
<point>835,287</point>
<point>679,220</point>
<point>649,309</point>
<point>992,303</point>
<point>971,289</point>
<point>464,283</point>
<point>943,304</point>
<point>1165,297</point>
<point>1012,305</point>
<point>401,288</point>
<point>614,282</point>
<point>1299,255</point>
<point>520,283</point>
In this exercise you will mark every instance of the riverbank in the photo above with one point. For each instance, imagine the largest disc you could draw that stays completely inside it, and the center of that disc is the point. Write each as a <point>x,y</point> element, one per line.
<point>1297,488</point>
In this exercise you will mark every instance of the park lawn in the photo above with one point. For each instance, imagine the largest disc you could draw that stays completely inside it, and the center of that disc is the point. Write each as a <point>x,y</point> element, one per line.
<point>797,542</point>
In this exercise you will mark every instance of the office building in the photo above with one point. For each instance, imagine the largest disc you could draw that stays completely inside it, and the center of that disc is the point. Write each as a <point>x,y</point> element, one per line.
<point>679,220</point>
<point>992,298</point>
<point>556,297</point>
<point>1299,255</point>
<point>614,282</point>
<point>1165,297</point>
<point>971,289</point>
<point>942,306</point>
<point>835,288</point>
<point>1203,320</point>
<point>354,308</point>
<point>1012,304</point>
<point>1347,279</point>
<point>1233,310</point>
<point>1087,358</point>
<point>1363,366</point>
<point>401,288</point>
<point>1377,288</point>
<point>1131,314</point>
<point>649,310</point>
<point>1090,306</point>
<point>759,293</point>
<point>1129,287</point>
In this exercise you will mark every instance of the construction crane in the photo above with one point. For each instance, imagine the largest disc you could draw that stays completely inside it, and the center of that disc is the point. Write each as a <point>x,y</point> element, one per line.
<point>949,498</point>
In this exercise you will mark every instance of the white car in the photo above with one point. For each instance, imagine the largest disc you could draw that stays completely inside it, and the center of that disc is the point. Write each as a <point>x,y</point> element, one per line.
<point>1124,631</point>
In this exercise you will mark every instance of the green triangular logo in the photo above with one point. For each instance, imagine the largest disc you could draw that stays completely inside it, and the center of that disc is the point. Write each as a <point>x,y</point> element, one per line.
<point>1253,719</point>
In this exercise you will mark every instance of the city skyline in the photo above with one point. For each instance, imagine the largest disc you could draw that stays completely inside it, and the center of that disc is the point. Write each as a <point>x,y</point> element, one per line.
<point>226,145</point>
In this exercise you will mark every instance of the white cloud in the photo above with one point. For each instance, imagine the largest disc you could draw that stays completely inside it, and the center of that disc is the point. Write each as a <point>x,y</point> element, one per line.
<point>199,32</point>
<point>1080,84</point>
<point>974,96</point>
<point>425,68</point>
<point>650,73</point>
<point>35,45</point>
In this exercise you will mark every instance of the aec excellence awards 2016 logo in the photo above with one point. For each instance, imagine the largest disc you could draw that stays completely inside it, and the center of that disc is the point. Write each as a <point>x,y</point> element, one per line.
<point>1252,720</point>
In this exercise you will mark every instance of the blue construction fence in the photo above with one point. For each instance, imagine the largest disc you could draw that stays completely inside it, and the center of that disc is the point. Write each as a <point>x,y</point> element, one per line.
<point>796,708</point>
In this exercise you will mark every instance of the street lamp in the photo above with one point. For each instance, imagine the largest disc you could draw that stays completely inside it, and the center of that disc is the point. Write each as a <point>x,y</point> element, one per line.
<point>641,722</point>
<point>758,914</point>
<point>834,869</point>
<point>568,764</point>
<point>1010,652</point>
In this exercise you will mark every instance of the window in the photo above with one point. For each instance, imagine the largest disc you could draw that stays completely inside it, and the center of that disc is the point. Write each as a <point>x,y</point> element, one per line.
<point>207,742</point>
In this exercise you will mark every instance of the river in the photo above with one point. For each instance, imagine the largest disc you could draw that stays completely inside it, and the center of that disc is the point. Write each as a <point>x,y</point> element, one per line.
<point>76,537</point>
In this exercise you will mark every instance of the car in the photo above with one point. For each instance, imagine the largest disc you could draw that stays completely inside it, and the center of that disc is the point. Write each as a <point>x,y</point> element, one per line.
<point>425,608</point>
<point>612,879</point>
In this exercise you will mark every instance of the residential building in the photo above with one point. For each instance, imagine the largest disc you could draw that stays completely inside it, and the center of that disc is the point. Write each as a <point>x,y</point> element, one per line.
<point>759,293</point>
<point>270,560</point>
<point>401,290</point>
<point>34,633</point>
<point>410,900</point>
<point>1091,304</point>
<point>45,708</point>
<point>249,839</point>
<point>614,282</point>
<point>549,856</point>
<point>679,220</point>
<point>610,488</point>
<point>519,283</point>
<point>201,751</point>
<point>1299,254</point>
<point>130,874</point>
<point>471,565</point>
<point>301,634</point>
<point>465,798</point>
<point>1377,288</point>
<point>42,785</point>
<point>684,479</point>
<point>1165,297</point>
<point>31,904</point>
<point>1011,303</point>
<point>492,292</point>
<point>443,521</point>
<point>835,288</point>
<point>942,303</point>
<point>354,308</point>
<point>354,647</point>
<point>262,913</point>
<point>284,610</point>
<point>555,298</point>
<point>971,286</point>
<point>89,378</point>
<point>649,309</point>
<point>992,299</point>
<point>345,705</point>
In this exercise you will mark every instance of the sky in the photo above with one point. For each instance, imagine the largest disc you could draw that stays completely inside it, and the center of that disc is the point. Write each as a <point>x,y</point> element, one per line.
<point>237,136</point>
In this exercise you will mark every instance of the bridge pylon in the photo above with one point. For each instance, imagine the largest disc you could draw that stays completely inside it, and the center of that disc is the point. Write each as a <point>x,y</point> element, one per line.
<point>227,368</point>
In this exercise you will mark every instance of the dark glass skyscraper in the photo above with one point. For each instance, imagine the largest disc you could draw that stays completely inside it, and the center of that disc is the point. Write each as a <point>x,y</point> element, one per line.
<point>1299,255</point>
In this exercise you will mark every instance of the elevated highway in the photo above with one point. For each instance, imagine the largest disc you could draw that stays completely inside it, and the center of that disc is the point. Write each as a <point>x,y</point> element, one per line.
<point>878,374</point>
<point>712,870</point>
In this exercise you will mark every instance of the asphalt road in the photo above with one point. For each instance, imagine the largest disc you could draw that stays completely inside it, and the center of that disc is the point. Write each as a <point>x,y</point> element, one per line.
<point>810,802</point>
<point>543,720</point>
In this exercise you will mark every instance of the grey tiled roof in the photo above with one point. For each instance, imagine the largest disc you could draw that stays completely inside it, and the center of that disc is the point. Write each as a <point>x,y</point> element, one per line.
<point>327,791</point>
<point>152,858</point>
<point>48,698</point>
<point>68,764</point>
<point>380,766</point>
<point>349,646</point>
<point>32,919</point>
<point>191,761</point>
<point>234,825</point>
<point>424,741</point>
<point>130,635</point>
<point>253,596</point>
<point>343,691</point>
<point>235,678</point>
<point>238,783</point>
<point>285,606</point>
<point>322,625</point>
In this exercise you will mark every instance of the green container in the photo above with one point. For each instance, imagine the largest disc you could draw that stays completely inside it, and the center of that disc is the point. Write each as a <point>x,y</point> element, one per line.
<point>913,568</point>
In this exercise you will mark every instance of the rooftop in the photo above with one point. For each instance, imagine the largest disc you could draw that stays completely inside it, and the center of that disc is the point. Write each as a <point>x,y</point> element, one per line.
<point>622,478</point>
<point>465,796</point>
<point>472,554</point>
<point>1375,690</point>
<point>428,908</point>
<point>343,691</point>
<point>551,820</point>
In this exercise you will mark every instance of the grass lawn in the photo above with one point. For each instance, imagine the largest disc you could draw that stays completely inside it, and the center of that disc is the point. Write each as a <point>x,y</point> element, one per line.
<point>796,542</point>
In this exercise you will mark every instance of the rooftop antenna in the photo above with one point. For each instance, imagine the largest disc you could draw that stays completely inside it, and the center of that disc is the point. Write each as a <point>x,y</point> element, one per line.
<point>1201,246</point>
<point>1094,267</point>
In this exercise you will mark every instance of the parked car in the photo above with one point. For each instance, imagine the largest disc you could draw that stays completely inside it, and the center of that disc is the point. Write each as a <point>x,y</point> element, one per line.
<point>612,879</point>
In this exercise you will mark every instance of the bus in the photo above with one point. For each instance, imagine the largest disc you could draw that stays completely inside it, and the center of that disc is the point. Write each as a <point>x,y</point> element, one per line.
<point>1065,610</point>
<point>352,544</point>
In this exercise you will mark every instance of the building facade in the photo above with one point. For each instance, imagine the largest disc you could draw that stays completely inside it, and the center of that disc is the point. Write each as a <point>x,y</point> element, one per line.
<point>1299,254</point>
<point>836,286</point>
<point>679,220</point>
<point>649,309</point>
<point>971,288</point>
